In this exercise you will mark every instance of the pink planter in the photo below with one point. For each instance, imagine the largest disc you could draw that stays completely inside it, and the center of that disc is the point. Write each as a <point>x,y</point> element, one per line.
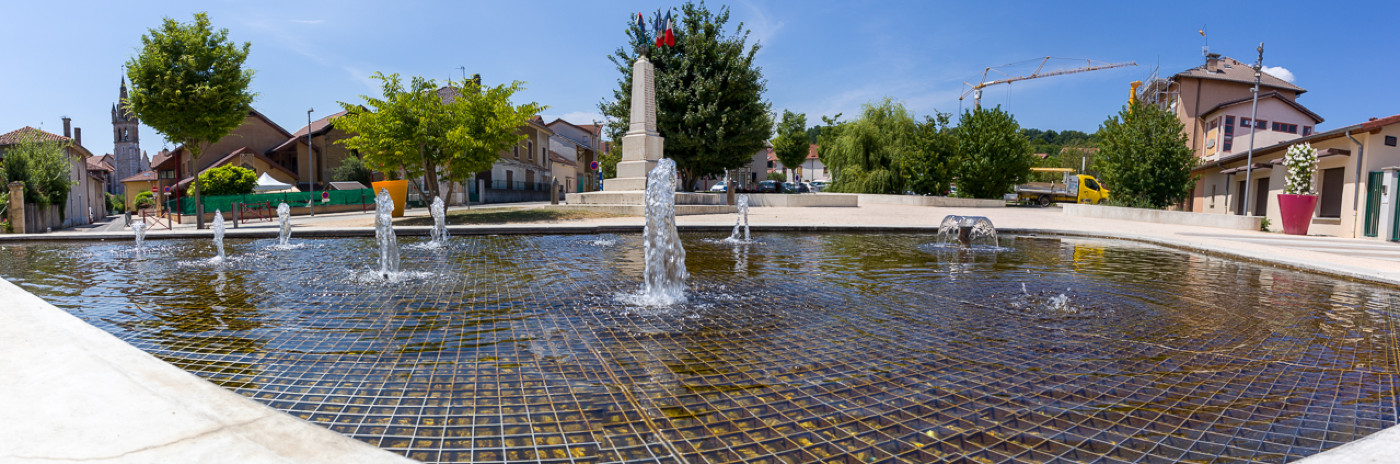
<point>1297,211</point>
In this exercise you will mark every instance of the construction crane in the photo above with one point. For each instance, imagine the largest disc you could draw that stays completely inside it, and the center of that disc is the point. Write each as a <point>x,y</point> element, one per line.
<point>976,90</point>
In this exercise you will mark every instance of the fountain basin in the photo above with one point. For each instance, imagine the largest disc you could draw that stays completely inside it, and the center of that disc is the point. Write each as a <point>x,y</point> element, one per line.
<point>843,345</point>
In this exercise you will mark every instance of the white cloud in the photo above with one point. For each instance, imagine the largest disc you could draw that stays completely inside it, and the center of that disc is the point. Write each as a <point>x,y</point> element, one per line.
<point>1280,72</point>
<point>762,27</point>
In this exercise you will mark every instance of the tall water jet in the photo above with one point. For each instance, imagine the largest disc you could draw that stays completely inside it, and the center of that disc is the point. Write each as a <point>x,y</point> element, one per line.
<point>665,257</point>
<point>384,234</point>
<point>967,232</point>
<point>742,218</point>
<point>284,216</point>
<point>439,232</point>
<point>138,228</point>
<point>219,234</point>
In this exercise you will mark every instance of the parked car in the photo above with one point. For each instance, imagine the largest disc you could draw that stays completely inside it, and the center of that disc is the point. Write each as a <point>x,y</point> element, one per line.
<point>790,187</point>
<point>718,187</point>
<point>818,185</point>
<point>770,186</point>
<point>807,187</point>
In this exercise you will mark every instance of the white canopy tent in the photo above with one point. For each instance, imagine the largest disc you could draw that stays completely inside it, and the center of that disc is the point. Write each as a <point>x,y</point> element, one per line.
<point>266,184</point>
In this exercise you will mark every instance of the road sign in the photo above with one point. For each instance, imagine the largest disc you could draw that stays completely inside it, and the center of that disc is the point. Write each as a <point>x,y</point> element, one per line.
<point>593,166</point>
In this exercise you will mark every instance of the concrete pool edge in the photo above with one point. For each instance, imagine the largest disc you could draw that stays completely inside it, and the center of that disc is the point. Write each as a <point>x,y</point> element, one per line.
<point>77,393</point>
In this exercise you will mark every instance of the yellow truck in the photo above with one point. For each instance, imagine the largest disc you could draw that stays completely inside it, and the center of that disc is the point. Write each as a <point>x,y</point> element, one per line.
<point>1074,188</point>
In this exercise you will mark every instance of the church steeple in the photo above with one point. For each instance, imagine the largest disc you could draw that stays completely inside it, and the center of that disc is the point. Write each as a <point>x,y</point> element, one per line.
<point>127,156</point>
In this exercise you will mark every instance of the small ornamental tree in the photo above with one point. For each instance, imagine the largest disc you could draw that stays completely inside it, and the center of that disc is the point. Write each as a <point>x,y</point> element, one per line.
<point>189,84</point>
<point>228,180</point>
<point>790,146</point>
<point>353,169</point>
<point>1144,158</point>
<point>1301,163</point>
<point>992,153</point>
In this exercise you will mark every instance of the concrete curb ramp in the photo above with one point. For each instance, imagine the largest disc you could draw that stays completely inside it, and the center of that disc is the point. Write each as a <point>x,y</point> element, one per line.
<point>73,392</point>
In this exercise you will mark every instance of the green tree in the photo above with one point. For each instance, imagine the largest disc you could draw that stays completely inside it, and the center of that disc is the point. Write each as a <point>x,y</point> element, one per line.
<point>709,92</point>
<point>868,155</point>
<point>227,180</point>
<point>608,162</point>
<point>992,154</point>
<point>777,175</point>
<point>932,160</point>
<point>143,199</point>
<point>189,84</point>
<point>42,165</point>
<point>790,146</point>
<point>447,133</point>
<point>353,169</point>
<point>1144,158</point>
<point>826,135</point>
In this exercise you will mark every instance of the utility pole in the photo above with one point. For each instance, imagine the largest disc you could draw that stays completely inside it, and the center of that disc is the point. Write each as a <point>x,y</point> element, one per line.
<point>311,161</point>
<point>1254,121</point>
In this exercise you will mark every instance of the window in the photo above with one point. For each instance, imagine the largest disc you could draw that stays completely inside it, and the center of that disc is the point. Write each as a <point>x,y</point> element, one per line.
<point>1307,130</point>
<point>510,179</point>
<point>1285,127</point>
<point>1261,124</point>
<point>516,151</point>
<point>1390,140</point>
<point>1229,133</point>
<point>530,149</point>
<point>1244,122</point>
<point>1329,204</point>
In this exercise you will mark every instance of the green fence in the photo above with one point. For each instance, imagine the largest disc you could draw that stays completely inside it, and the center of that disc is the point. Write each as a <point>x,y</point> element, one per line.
<point>225,202</point>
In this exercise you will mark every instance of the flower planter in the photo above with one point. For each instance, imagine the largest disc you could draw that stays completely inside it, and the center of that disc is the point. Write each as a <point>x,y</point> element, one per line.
<point>1297,211</point>
<point>397,189</point>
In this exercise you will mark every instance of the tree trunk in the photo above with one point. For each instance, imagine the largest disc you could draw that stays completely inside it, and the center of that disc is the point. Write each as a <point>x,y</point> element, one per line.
<point>198,187</point>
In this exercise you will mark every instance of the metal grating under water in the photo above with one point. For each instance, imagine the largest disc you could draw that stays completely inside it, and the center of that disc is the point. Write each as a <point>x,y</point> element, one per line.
<point>799,348</point>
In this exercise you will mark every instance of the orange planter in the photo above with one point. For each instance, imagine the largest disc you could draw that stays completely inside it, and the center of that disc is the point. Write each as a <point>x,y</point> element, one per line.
<point>398,189</point>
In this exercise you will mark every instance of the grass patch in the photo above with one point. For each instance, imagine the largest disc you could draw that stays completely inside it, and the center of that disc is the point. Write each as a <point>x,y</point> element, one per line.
<point>477,216</point>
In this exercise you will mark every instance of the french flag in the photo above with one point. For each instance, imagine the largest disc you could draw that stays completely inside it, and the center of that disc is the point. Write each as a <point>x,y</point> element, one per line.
<point>670,36</point>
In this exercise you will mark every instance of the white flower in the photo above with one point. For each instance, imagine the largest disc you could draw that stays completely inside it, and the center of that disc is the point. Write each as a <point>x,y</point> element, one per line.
<point>1301,163</point>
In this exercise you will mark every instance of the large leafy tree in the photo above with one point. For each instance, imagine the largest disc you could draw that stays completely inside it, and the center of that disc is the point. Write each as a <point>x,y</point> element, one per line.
<point>228,180</point>
<point>1144,158</point>
<point>932,160</point>
<point>868,154</point>
<point>42,165</point>
<point>992,153</point>
<point>709,92</point>
<point>189,84</point>
<point>446,133</point>
<point>790,146</point>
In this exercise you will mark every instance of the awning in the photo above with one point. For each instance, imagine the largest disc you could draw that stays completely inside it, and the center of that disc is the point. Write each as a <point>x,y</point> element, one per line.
<point>1257,167</point>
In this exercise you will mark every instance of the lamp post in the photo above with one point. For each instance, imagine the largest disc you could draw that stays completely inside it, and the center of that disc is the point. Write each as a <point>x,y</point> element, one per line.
<point>311,161</point>
<point>1254,121</point>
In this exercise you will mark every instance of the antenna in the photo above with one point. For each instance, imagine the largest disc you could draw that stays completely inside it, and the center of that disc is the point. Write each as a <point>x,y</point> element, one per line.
<point>464,72</point>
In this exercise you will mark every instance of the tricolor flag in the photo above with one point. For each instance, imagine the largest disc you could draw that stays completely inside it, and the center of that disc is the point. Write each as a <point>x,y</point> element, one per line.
<point>640,22</point>
<point>670,36</point>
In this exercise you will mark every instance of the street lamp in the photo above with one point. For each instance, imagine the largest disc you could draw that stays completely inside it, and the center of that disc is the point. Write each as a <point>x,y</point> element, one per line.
<point>311,161</point>
<point>1254,121</point>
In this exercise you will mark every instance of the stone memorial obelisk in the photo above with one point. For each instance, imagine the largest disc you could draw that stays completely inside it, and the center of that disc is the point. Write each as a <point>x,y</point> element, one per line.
<point>642,146</point>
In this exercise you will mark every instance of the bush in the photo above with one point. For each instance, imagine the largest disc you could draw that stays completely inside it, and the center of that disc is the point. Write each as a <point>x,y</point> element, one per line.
<point>992,153</point>
<point>1143,155</point>
<point>228,180</point>
<point>116,203</point>
<point>778,176</point>
<point>352,169</point>
<point>143,200</point>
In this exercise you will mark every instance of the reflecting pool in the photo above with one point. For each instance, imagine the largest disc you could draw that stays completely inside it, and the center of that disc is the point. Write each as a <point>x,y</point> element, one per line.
<point>790,348</point>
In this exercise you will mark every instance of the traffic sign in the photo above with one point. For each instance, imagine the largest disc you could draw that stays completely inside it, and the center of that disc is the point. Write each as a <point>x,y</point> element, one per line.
<point>593,166</point>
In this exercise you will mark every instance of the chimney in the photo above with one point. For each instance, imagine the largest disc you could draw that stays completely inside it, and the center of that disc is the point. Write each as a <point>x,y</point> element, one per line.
<point>67,126</point>
<point>1213,62</point>
<point>78,136</point>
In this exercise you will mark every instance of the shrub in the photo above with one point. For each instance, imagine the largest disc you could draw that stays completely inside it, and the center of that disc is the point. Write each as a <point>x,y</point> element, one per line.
<point>1143,155</point>
<point>143,199</point>
<point>352,169</point>
<point>228,180</point>
<point>116,203</point>
<point>778,176</point>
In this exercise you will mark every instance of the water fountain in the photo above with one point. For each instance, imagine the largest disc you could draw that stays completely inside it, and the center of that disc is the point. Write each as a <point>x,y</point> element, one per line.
<point>741,218</point>
<point>219,234</point>
<point>439,232</point>
<point>967,232</point>
<point>384,234</point>
<point>284,216</point>
<point>139,229</point>
<point>665,257</point>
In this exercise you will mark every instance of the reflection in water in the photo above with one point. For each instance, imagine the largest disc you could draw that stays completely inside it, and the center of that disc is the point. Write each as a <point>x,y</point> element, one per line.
<point>816,347</point>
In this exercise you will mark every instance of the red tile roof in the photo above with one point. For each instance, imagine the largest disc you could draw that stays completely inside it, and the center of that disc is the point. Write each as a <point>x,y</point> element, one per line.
<point>317,127</point>
<point>557,158</point>
<point>14,136</point>
<point>812,151</point>
<point>96,163</point>
<point>141,177</point>
<point>1230,69</point>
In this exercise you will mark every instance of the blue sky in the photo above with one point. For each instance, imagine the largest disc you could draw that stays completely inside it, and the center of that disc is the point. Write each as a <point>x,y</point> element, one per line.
<point>819,57</point>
